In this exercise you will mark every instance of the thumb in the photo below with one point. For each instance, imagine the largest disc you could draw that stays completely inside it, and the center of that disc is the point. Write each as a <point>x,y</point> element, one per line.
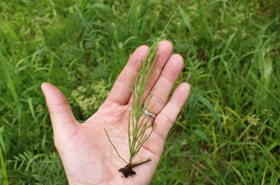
<point>63,122</point>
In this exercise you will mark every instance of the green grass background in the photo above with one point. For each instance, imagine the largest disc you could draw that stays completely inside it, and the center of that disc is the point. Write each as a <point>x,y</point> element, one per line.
<point>227,133</point>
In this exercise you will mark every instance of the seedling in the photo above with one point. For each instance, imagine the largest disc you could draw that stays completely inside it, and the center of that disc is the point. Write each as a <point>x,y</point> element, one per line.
<point>137,121</point>
<point>139,129</point>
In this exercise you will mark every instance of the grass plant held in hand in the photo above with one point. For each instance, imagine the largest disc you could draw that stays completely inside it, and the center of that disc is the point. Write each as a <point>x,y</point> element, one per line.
<point>139,129</point>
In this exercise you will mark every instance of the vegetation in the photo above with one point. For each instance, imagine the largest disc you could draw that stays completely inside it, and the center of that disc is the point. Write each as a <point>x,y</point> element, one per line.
<point>227,133</point>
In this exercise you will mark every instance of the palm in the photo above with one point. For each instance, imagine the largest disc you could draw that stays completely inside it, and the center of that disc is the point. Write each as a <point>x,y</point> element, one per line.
<point>87,155</point>
<point>102,166</point>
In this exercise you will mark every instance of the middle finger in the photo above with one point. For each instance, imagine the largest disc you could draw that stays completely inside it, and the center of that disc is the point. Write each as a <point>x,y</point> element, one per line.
<point>165,83</point>
<point>164,51</point>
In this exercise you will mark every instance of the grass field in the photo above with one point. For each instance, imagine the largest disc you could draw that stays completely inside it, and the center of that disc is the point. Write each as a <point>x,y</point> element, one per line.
<point>227,133</point>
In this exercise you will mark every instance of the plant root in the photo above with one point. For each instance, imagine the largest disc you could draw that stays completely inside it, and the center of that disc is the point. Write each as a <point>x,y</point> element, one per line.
<point>127,170</point>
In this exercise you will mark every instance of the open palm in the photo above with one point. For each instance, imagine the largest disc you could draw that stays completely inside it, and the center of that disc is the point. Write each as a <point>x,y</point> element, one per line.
<point>86,153</point>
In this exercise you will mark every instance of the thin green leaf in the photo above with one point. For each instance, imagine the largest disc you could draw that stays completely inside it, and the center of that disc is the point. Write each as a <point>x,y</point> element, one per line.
<point>186,19</point>
<point>211,109</point>
<point>114,146</point>
<point>202,135</point>
<point>3,169</point>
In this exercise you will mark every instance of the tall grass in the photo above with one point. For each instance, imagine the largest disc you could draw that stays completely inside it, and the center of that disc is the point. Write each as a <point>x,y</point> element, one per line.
<point>228,132</point>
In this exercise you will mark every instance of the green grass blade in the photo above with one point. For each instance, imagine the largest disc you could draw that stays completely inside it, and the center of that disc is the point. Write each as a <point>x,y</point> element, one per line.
<point>3,169</point>
<point>186,20</point>
<point>101,6</point>
<point>149,4</point>
<point>3,62</point>
<point>202,135</point>
<point>128,130</point>
<point>211,109</point>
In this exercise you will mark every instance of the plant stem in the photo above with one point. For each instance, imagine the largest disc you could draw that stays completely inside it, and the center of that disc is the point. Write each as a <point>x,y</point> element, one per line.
<point>140,162</point>
<point>114,147</point>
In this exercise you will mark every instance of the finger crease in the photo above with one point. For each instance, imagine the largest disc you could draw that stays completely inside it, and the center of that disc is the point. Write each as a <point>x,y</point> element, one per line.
<point>61,108</point>
<point>147,148</point>
<point>123,84</point>
<point>168,80</point>
<point>166,117</point>
<point>158,100</point>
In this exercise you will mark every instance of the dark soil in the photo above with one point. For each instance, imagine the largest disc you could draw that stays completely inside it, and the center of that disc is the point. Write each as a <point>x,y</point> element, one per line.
<point>127,170</point>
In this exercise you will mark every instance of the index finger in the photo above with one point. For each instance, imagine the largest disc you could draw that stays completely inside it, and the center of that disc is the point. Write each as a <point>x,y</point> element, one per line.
<point>121,90</point>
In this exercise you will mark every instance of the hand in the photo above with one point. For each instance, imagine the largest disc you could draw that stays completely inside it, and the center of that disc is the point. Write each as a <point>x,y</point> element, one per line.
<point>85,151</point>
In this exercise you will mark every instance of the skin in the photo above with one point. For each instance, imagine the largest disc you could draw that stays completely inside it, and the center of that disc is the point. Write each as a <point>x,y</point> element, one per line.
<point>86,153</point>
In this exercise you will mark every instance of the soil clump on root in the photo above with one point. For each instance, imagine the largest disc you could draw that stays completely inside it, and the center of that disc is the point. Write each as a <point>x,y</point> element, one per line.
<point>128,171</point>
